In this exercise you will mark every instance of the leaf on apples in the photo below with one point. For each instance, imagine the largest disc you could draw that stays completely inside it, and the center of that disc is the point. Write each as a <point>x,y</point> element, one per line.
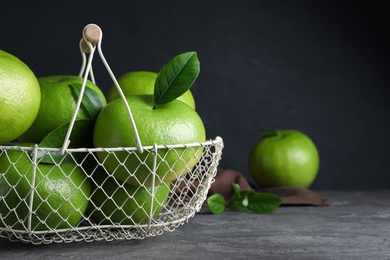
<point>91,101</point>
<point>176,77</point>
<point>80,136</point>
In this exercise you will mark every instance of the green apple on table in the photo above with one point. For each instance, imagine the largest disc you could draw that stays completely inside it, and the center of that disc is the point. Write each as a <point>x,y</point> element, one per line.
<point>284,158</point>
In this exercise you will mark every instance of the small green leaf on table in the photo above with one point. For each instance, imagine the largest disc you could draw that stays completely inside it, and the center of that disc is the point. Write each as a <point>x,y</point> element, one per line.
<point>216,203</point>
<point>258,202</point>
<point>263,203</point>
<point>236,189</point>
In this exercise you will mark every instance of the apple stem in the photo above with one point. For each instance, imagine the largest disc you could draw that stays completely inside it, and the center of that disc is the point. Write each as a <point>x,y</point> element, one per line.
<point>270,132</point>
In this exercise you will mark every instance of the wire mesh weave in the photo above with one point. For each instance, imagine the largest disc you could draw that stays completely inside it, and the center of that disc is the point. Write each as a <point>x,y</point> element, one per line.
<point>53,195</point>
<point>26,220</point>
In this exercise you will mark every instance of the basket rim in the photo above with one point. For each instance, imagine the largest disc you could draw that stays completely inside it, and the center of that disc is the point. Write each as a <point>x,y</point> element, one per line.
<point>216,141</point>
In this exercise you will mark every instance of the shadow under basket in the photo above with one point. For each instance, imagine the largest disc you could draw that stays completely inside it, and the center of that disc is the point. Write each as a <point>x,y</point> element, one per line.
<point>70,197</point>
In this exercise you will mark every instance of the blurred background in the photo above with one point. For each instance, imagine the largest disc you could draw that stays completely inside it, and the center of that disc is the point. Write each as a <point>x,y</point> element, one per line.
<point>320,67</point>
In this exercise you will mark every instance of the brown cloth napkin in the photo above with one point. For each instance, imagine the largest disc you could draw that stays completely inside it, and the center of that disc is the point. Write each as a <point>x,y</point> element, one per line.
<point>289,195</point>
<point>226,177</point>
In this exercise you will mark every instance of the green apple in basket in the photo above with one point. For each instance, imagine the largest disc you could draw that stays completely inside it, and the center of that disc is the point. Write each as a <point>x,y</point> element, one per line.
<point>113,202</point>
<point>160,119</point>
<point>20,97</point>
<point>59,95</point>
<point>58,193</point>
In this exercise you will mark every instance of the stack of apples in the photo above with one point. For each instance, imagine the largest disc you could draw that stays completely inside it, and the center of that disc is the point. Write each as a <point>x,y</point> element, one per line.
<point>106,187</point>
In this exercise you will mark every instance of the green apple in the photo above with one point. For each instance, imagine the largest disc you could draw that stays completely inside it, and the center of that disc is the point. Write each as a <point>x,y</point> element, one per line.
<point>60,192</point>
<point>58,102</point>
<point>284,158</point>
<point>142,83</point>
<point>170,123</point>
<point>20,97</point>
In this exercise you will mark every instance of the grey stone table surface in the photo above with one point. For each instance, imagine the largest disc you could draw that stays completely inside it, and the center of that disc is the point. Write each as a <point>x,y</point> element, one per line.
<point>355,226</point>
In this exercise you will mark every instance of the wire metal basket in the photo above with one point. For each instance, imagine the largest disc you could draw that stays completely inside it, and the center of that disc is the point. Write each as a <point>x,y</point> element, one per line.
<point>37,200</point>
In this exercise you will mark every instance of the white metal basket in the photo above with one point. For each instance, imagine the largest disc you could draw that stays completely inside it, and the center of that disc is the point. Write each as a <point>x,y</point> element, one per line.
<point>21,217</point>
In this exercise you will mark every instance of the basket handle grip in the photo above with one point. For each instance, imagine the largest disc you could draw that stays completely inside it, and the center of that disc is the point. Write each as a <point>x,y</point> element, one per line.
<point>92,39</point>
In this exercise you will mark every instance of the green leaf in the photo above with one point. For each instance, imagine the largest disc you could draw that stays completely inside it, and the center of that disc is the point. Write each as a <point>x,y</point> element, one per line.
<point>216,203</point>
<point>245,201</point>
<point>92,102</point>
<point>247,192</point>
<point>237,189</point>
<point>81,136</point>
<point>236,206</point>
<point>238,203</point>
<point>176,77</point>
<point>263,203</point>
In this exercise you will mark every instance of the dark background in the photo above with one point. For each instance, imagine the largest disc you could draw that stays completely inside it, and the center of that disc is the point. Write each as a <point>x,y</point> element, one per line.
<point>320,67</point>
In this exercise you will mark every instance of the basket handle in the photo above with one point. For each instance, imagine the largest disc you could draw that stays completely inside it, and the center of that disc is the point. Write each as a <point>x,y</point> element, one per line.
<point>92,39</point>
